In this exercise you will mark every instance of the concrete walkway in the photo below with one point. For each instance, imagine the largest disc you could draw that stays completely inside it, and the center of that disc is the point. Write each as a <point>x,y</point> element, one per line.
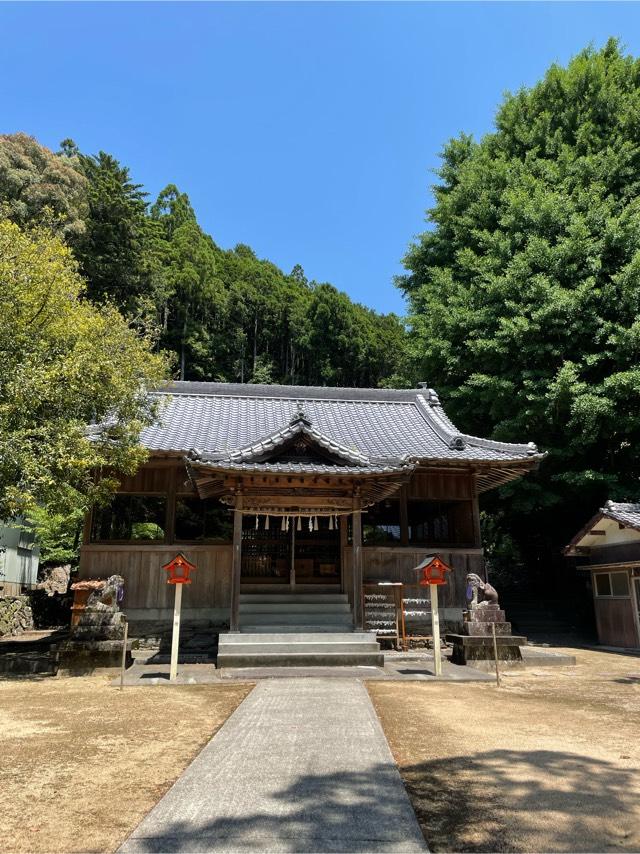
<point>301,765</point>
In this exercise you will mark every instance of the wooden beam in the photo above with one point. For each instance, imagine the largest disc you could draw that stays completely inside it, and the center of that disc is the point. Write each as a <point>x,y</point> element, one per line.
<point>357,563</point>
<point>597,532</point>
<point>236,565</point>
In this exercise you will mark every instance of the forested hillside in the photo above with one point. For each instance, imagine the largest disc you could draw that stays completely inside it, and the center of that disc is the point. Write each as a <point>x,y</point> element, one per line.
<point>223,314</point>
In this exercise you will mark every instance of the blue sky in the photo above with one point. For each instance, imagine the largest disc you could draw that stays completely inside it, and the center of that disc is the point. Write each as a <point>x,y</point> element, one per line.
<point>306,130</point>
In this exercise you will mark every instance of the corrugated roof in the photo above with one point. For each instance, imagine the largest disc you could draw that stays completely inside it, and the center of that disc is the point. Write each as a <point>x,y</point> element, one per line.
<point>371,424</point>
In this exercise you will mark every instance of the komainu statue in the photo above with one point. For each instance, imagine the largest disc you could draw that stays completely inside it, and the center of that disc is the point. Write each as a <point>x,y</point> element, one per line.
<point>107,596</point>
<point>480,594</point>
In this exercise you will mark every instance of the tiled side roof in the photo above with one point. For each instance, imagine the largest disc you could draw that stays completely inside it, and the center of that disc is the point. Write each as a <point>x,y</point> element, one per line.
<point>626,514</point>
<point>228,419</point>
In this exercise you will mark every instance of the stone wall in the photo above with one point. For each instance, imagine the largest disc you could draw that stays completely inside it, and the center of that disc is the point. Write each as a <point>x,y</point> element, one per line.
<point>16,615</point>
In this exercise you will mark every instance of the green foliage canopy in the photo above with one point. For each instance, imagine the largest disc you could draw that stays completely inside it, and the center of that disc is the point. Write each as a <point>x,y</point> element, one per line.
<point>524,295</point>
<point>66,365</point>
<point>37,185</point>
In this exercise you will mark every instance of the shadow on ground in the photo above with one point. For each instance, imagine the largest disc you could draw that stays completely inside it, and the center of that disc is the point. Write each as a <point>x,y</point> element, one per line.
<point>319,812</point>
<point>509,800</point>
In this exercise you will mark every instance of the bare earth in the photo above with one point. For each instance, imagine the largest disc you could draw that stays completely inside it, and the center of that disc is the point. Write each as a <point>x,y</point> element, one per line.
<point>81,763</point>
<point>549,762</point>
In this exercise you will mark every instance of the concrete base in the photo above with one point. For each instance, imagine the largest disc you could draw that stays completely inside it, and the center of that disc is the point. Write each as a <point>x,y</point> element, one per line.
<point>474,649</point>
<point>299,649</point>
<point>84,658</point>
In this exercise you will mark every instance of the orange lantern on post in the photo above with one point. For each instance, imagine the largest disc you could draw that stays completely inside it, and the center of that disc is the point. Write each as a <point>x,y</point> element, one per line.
<point>432,573</point>
<point>179,570</point>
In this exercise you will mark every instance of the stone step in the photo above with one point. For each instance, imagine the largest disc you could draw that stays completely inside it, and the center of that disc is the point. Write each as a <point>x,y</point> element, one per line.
<point>289,636</point>
<point>289,598</point>
<point>308,626</point>
<point>301,659</point>
<point>281,646</point>
<point>294,607</point>
<point>298,618</point>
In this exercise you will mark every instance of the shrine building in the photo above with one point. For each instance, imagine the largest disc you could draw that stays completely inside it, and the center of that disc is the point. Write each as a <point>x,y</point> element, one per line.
<point>277,490</point>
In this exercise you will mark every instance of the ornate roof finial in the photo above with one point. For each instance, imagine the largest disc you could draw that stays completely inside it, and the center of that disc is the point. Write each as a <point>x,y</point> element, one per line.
<point>300,415</point>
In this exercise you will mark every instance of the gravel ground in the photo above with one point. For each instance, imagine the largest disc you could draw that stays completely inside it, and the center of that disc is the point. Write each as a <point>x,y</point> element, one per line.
<point>82,763</point>
<point>548,762</point>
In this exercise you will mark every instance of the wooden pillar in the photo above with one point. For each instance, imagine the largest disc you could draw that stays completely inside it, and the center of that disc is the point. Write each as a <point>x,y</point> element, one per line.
<point>236,565</point>
<point>170,519</point>
<point>404,515</point>
<point>344,540</point>
<point>357,563</point>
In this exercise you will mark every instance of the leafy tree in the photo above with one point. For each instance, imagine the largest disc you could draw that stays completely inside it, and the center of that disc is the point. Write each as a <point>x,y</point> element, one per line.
<point>119,252</point>
<point>196,299</point>
<point>37,185</point>
<point>58,534</point>
<point>67,366</point>
<point>524,295</point>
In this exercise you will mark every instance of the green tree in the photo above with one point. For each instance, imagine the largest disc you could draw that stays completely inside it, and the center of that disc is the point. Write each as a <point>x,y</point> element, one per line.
<point>524,295</point>
<point>196,298</point>
<point>37,185</point>
<point>67,367</point>
<point>120,250</point>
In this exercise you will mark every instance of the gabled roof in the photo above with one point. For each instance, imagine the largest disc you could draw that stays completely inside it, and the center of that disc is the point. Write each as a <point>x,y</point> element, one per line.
<point>242,423</point>
<point>627,515</point>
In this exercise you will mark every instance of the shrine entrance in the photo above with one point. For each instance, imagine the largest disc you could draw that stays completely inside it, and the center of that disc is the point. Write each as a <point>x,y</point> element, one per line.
<point>290,551</point>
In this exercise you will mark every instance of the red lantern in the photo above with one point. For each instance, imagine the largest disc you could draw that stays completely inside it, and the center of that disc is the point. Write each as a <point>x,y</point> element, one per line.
<point>432,571</point>
<point>179,569</point>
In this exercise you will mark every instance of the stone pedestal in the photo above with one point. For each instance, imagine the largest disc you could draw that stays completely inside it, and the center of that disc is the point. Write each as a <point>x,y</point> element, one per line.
<point>97,629</point>
<point>475,645</point>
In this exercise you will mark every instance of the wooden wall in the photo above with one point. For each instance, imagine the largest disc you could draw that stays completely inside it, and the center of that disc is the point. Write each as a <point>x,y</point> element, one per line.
<point>146,582</point>
<point>398,564</point>
<point>616,622</point>
<point>140,564</point>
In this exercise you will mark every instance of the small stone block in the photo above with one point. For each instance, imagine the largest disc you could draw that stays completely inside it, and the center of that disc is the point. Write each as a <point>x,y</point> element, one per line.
<point>484,615</point>
<point>478,629</point>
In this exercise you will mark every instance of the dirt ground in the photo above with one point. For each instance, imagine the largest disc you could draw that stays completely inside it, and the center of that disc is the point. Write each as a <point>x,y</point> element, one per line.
<point>548,762</point>
<point>81,762</point>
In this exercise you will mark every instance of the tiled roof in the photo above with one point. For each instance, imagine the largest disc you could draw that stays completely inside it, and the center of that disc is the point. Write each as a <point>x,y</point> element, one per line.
<point>302,468</point>
<point>626,514</point>
<point>364,426</point>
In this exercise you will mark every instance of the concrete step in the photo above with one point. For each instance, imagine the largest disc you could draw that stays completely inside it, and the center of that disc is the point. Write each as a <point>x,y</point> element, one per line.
<point>299,618</point>
<point>288,636</point>
<point>295,607</point>
<point>282,646</point>
<point>295,628</point>
<point>291,598</point>
<point>301,659</point>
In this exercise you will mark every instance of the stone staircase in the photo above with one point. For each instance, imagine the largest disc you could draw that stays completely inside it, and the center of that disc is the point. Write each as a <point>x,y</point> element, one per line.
<point>297,630</point>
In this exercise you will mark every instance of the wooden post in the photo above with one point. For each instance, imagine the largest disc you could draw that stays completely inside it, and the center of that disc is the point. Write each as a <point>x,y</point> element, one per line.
<point>357,565</point>
<point>292,568</point>
<point>435,629</point>
<point>404,515</point>
<point>495,653</point>
<point>170,518</point>
<point>124,653</point>
<point>175,639</point>
<point>236,566</point>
